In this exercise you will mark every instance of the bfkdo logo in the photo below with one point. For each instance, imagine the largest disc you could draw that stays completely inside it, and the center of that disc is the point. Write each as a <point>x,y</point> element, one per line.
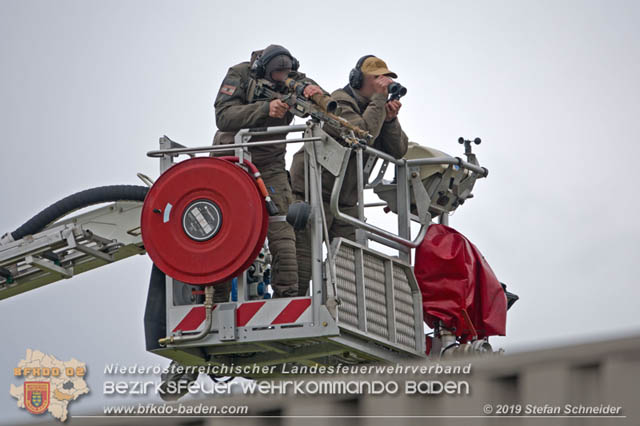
<point>50,384</point>
<point>37,395</point>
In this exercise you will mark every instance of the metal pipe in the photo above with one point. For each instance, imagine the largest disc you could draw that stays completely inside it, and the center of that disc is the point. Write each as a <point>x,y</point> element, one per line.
<point>260,131</point>
<point>360,183</point>
<point>316,238</point>
<point>146,179</point>
<point>325,229</point>
<point>385,156</point>
<point>449,160</point>
<point>177,151</point>
<point>335,194</point>
<point>435,160</point>
<point>385,241</point>
<point>273,130</point>
<point>360,236</point>
<point>208,309</point>
<point>403,203</point>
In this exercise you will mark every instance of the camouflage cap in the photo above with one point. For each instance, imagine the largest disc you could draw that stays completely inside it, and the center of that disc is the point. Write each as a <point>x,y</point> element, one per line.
<point>376,66</point>
<point>278,62</point>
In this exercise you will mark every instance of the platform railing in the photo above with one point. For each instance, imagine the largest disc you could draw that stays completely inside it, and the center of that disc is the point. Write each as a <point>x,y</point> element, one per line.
<point>322,152</point>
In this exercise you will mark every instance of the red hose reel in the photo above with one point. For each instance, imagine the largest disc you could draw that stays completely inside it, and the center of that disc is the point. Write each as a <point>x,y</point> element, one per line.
<point>204,220</point>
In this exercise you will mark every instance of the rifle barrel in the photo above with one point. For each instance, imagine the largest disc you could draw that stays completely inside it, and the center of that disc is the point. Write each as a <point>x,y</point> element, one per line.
<point>326,103</point>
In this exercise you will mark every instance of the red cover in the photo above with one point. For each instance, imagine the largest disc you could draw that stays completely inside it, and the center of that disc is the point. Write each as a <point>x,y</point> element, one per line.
<point>458,285</point>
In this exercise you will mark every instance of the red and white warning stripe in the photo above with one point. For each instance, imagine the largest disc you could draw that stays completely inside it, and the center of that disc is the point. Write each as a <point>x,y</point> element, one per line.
<point>255,314</point>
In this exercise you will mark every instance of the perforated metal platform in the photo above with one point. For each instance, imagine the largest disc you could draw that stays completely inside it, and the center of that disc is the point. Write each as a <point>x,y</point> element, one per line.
<point>379,297</point>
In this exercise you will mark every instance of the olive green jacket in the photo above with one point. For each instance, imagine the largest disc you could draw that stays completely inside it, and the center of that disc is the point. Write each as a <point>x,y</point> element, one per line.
<point>235,111</point>
<point>369,115</point>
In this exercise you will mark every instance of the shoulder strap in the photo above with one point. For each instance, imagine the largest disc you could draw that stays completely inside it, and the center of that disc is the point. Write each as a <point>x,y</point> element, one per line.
<point>349,91</point>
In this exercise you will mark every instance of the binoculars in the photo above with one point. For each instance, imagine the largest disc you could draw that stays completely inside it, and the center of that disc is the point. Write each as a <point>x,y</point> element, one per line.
<point>396,90</point>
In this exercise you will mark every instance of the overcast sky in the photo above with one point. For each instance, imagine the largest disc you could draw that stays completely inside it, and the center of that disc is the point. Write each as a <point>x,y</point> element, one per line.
<point>87,88</point>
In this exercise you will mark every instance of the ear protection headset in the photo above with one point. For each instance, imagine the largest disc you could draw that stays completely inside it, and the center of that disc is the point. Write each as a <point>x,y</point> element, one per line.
<point>259,65</point>
<point>355,75</point>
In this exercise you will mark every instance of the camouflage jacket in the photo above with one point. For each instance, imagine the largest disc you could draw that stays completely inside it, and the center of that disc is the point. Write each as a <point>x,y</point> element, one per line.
<point>369,115</point>
<point>235,111</point>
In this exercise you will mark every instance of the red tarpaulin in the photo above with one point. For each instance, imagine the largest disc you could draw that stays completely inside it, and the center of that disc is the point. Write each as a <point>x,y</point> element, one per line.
<point>458,286</point>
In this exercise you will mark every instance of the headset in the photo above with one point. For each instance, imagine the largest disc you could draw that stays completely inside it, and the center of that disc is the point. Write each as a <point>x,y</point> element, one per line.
<point>260,65</point>
<point>355,75</point>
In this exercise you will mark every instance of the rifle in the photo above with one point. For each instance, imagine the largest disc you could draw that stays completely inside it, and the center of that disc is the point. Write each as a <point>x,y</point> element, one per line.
<point>320,107</point>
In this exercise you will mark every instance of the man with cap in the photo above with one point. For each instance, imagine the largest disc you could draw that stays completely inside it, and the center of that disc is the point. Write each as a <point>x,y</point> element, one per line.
<point>364,103</point>
<point>235,110</point>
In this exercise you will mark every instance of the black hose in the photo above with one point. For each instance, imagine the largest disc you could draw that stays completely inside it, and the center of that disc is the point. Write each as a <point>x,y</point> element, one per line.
<point>79,200</point>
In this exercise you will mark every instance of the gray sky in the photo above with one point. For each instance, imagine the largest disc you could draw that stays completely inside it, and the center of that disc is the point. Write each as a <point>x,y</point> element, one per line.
<point>86,89</point>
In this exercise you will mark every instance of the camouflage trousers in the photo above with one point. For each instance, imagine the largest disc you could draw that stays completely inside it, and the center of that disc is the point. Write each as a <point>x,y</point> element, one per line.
<point>303,241</point>
<point>281,239</point>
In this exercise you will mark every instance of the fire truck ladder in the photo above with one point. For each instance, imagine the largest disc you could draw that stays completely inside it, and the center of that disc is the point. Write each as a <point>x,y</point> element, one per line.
<point>37,254</point>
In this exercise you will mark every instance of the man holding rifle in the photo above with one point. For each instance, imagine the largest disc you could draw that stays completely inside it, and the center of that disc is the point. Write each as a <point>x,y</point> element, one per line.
<point>237,108</point>
<point>364,103</point>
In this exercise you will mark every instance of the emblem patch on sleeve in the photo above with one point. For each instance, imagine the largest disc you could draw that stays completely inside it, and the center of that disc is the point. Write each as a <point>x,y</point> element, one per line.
<point>227,89</point>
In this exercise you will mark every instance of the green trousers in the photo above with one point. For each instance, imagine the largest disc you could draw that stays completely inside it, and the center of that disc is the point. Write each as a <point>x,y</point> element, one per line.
<point>281,240</point>
<point>303,241</point>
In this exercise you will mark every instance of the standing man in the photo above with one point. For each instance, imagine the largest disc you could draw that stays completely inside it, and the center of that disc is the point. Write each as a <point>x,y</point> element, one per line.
<point>235,110</point>
<point>363,103</point>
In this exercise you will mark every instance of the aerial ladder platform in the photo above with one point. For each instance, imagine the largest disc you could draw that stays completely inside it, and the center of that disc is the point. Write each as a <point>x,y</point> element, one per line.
<point>364,303</point>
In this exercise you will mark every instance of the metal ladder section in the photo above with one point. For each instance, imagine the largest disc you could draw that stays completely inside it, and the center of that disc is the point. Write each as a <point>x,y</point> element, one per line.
<point>71,246</point>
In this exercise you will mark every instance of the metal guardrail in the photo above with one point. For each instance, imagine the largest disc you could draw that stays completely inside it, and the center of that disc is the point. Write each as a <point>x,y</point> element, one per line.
<point>313,134</point>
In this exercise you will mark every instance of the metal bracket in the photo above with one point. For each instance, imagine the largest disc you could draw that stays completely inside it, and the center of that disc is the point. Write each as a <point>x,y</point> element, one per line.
<point>423,201</point>
<point>48,266</point>
<point>227,321</point>
<point>368,166</point>
<point>380,176</point>
<point>330,154</point>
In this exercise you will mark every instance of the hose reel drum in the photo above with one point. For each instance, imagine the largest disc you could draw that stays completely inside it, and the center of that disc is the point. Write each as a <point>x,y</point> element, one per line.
<point>204,221</point>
